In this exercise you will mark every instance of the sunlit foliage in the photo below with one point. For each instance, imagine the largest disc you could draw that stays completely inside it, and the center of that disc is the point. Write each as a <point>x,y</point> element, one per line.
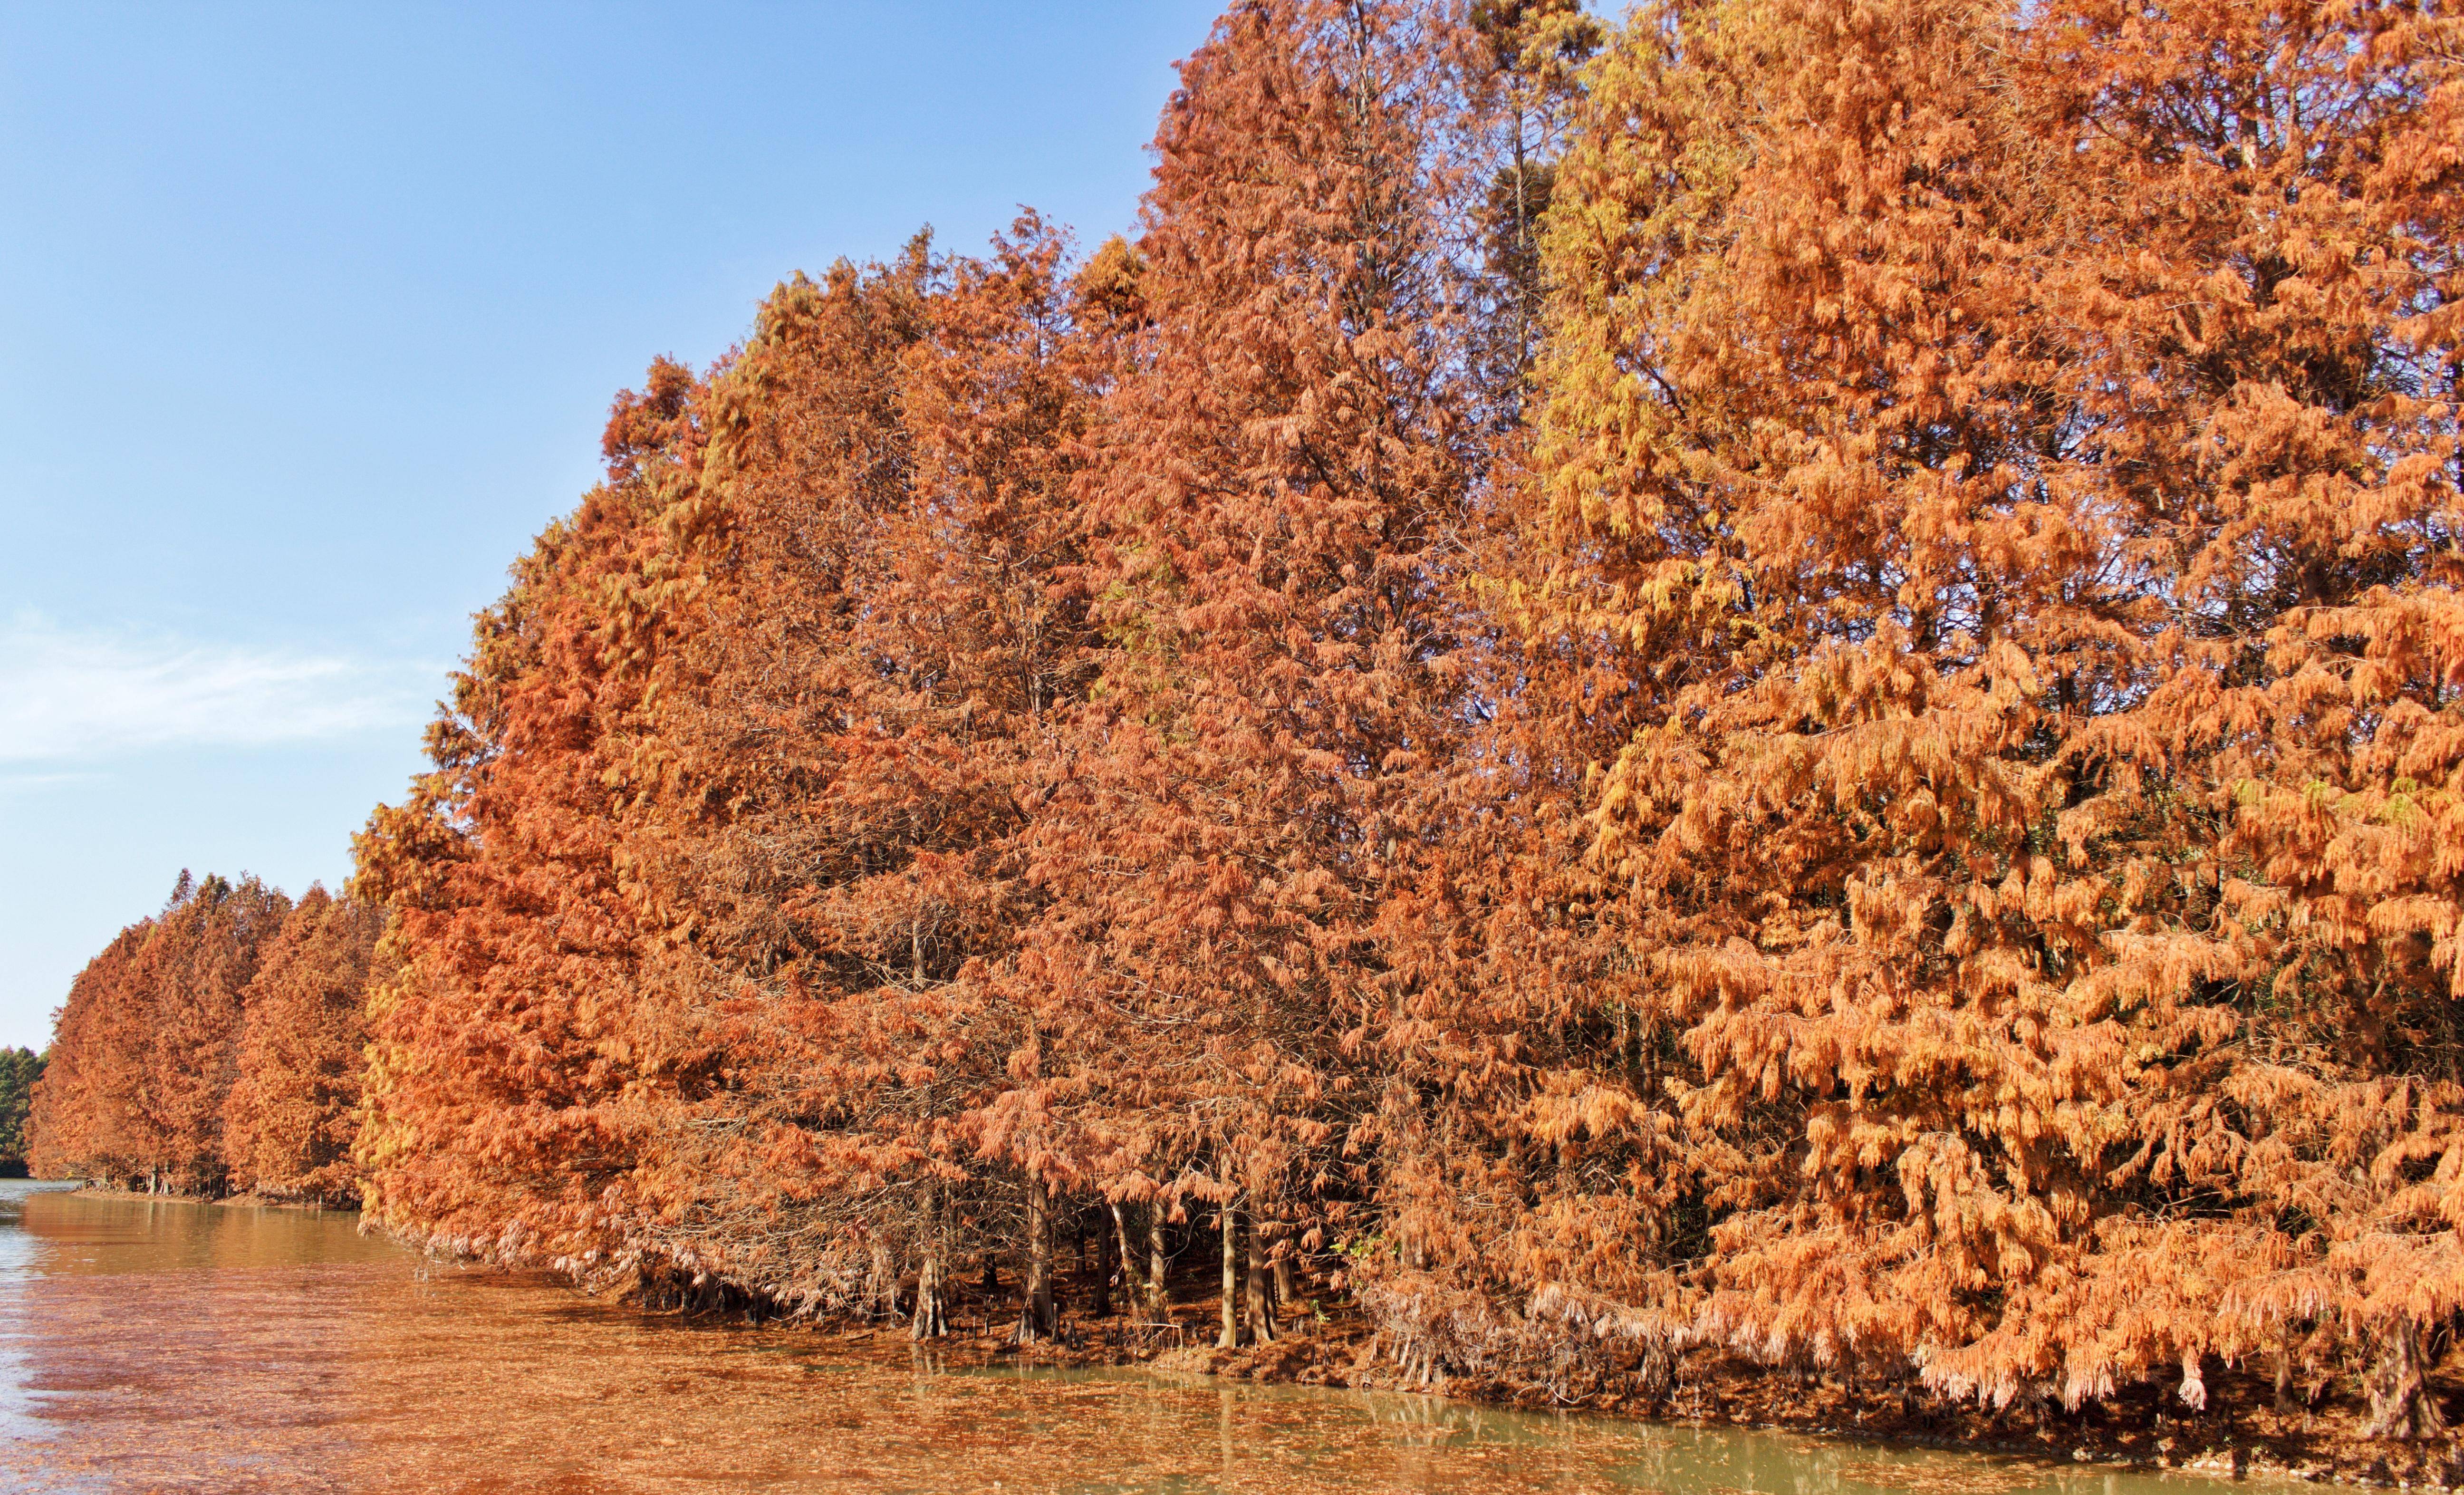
<point>1779,682</point>
<point>144,1053</point>
<point>293,1109</point>
<point>2018,449</point>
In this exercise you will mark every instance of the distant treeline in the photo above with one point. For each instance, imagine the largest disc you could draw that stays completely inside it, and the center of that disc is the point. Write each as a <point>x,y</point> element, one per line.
<point>19,1069</point>
<point>1782,682</point>
<point>217,1047</point>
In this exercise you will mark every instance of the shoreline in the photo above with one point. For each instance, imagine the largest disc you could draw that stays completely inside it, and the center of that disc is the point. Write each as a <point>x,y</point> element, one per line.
<point>2239,1436</point>
<point>220,1201</point>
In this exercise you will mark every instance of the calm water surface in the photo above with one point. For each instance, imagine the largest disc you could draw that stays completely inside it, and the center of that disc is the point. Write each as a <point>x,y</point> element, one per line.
<point>182,1346</point>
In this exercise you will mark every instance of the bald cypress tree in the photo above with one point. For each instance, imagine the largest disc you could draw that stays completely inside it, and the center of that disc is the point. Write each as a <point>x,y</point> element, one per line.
<point>1276,483</point>
<point>2019,447</point>
<point>293,1109</point>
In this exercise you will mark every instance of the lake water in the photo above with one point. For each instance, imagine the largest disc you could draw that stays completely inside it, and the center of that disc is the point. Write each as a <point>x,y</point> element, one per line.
<point>167,1346</point>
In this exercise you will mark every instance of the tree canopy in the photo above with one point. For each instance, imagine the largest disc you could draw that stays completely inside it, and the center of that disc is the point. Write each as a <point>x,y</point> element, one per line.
<point>1780,681</point>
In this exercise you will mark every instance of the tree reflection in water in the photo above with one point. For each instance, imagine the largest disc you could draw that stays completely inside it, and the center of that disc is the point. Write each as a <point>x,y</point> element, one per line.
<point>199,1347</point>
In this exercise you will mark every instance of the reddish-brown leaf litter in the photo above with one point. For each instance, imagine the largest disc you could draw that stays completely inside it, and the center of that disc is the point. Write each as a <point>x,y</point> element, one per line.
<point>1756,709</point>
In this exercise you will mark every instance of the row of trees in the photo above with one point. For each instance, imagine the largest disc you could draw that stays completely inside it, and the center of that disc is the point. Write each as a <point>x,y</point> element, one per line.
<point>1784,681</point>
<point>216,1046</point>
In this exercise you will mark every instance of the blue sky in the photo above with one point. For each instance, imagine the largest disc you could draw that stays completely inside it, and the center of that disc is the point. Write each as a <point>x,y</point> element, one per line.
<point>309,318</point>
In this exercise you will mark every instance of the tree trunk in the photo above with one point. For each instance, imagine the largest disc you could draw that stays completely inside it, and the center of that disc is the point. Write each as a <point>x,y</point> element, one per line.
<point>2401,1406</point>
<point>1258,1308</point>
<point>1103,1284</point>
<point>932,1318</point>
<point>1230,1225</point>
<point>1130,1286</point>
<point>1081,1282</point>
<point>885,1282</point>
<point>1286,1290</point>
<point>1035,1319</point>
<point>1159,1267</point>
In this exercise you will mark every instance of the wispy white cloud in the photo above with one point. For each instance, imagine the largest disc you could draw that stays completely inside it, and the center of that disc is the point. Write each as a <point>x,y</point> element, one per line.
<point>70,695</point>
<point>19,782</point>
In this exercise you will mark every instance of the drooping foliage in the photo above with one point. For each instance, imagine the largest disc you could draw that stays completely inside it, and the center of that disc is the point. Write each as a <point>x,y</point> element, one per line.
<point>2018,449</point>
<point>1779,683</point>
<point>502,1094</point>
<point>293,1109</point>
<point>1275,500</point>
<point>147,1048</point>
<point>810,672</point>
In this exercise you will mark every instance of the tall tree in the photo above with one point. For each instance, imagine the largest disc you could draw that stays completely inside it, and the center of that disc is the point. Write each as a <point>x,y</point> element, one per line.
<point>148,1042</point>
<point>887,620</point>
<point>78,1123</point>
<point>293,1109</point>
<point>2022,445</point>
<point>507,1096</point>
<point>1276,485</point>
<point>1521,60</point>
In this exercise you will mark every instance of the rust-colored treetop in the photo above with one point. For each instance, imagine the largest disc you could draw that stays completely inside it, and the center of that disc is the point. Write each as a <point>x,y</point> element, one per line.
<point>2025,458</point>
<point>1779,682</point>
<point>146,1052</point>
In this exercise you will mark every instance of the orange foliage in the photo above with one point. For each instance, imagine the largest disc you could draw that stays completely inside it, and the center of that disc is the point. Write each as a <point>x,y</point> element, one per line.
<point>1277,486</point>
<point>1792,691</point>
<point>2022,465</point>
<point>503,1095</point>
<point>293,1108</point>
<point>147,1048</point>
